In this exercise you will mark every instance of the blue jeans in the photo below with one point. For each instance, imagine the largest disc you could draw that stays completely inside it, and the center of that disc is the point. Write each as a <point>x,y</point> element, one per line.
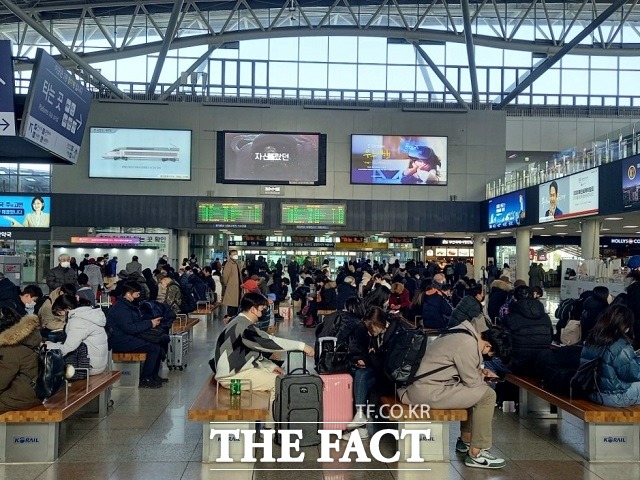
<point>364,380</point>
<point>497,366</point>
<point>625,399</point>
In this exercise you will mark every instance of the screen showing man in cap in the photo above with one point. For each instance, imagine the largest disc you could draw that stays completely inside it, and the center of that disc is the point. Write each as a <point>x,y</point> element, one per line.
<point>423,166</point>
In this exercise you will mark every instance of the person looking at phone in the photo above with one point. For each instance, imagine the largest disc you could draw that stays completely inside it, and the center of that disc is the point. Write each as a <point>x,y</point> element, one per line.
<point>460,383</point>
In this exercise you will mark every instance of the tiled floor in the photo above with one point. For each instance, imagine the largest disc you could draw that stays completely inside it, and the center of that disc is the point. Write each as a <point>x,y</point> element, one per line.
<point>147,436</point>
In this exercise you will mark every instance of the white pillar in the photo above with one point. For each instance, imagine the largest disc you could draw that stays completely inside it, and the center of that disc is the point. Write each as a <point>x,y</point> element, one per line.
<point>479,255</point>
<point>590,239</point>
<point>523,244</point>
<point>183,245</point>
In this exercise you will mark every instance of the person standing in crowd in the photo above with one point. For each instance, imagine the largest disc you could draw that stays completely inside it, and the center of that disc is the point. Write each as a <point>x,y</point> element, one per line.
<point>94,276</point>
<point>498,296</point>
<point>232,282</point>
<point>84,262</point>
<point>63,273</point>
<point>134,266</point>
<point>536,276</point>
<point>84,289</point>
<point>294,271</point>
<point>492,273</point>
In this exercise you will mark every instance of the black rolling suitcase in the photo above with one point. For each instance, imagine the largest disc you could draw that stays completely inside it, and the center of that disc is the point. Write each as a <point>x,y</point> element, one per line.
<point>298,403</point>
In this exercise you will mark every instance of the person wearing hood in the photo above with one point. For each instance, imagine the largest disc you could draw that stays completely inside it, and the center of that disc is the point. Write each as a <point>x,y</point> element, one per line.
<point>436,309</point>
<point>84,324</point>
<point>530,329</point>
<point>498,296</point>
<point>63,273</point>
<point>470,309</point>
<point>592,307</point>
<point>18,360</point>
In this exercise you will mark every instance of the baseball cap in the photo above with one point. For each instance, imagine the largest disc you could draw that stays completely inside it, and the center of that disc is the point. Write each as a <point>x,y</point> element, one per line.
<point>250,285</point>
<point>634,262</point>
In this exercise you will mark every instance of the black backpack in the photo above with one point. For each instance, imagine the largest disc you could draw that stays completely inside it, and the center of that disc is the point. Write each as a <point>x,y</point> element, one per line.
<point>563,311</point>
<point>405,351</point>
<point>188,303</point>
<point>621,299</point>
<point>51,370</point>
<point>556,368</point>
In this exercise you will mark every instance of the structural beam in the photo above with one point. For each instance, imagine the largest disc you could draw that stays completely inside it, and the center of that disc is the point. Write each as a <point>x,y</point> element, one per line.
<point>551,61</point>
<point>440,75</point>
<point>468,36</point>
<point>166,43</point>
<point>66,51</point>
<point>189,71</point>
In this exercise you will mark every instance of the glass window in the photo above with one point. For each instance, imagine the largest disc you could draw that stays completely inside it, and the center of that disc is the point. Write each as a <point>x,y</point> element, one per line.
<point>283,74</point>
<point>401,78</point>
<point>401,54</point>
<point>255,49</point>
<point>604,82</point>
<point>313,75</point>
<point>629,82</point>
<point>230,72</point>
<point>314,49</point>
<point>549,82</point>
<point>9,177</point>
<point>343,76</point>
<point>283,48</point>
<point>369,50</point>
<point>343,49</point>
<point>215,72</point>
<point>575,82</point>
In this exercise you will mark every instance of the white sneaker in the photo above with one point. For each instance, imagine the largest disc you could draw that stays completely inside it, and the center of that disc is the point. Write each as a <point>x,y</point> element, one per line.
<point>359,420</point>
<point>362,431</point>
<point>484,460</point>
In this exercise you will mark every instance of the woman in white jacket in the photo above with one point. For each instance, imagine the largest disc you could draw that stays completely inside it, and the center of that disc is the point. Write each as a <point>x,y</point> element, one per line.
<point>84,324</point>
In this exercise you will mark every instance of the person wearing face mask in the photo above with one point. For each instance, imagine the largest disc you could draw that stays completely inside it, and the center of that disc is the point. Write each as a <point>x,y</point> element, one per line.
<point>30,297</point>
<point>63,273</point>
<point>240,348</point>
<point>232,282</point>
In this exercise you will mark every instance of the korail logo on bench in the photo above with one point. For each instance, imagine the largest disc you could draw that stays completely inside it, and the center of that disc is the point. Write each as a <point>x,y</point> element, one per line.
<point>24,440</point>
<point>615,439</point>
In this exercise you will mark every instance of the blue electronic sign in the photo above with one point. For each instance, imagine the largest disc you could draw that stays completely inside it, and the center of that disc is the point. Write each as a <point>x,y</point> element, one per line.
<point>507,211</point>
<point>7,112</point>
<point>57,109</point>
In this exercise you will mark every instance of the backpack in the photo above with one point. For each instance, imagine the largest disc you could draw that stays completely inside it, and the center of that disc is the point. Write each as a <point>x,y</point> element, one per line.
<point>556,368</point>
<point>621,299</point>
<point>188,303</point>
<point>51,370</point>
<point>563,311</point>
<point>405,352</point>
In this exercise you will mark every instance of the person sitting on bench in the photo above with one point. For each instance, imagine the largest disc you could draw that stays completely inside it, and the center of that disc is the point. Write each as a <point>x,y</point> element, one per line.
<point>455,378</point>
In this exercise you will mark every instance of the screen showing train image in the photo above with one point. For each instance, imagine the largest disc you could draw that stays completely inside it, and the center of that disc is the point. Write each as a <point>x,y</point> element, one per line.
<point>631,182</point>
<point>313,214</point>
<point>569,197</point>
<point>507,211</point>
<point>140,153</point>
<point>271,158</point>
<point>20,211</point>
<point>231,213</point>
<point>398,160</point>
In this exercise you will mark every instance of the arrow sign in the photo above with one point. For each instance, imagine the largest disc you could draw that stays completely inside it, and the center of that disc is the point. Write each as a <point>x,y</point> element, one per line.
<point>7,115</point>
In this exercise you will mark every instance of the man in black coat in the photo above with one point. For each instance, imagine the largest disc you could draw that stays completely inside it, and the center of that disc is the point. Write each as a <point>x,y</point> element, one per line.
<point>346,289</point>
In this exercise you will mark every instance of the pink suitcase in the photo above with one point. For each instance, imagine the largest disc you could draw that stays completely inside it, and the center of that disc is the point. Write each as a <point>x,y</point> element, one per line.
<point>337,400</point>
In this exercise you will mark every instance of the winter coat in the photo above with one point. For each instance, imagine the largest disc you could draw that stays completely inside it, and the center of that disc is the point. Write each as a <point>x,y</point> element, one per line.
<point>199,287</point>
<point>173,297</point>
<point>531,333</point>
<point>16,392</point>
<point>591,310</point>
<point>403,299</point>
<point>111,269</point>
<point>436,310</point>
<point>536,277</point>
<point>92,271</point>
<point>468,309</point>
<point>47,318</point>
<point>460,386</point>
<point>328,297</point>
<point>345,290</point>
<point>10,295</point>
<point>86,324</point>
<point>134,267</point>
<point>633,302</point>
<point>123,323</point>
<point>497,297</point>
<point>87,293</point>
<point>58,275</point>
<point>349,330</point>
<point>620,366</point>
<point>232,280</point>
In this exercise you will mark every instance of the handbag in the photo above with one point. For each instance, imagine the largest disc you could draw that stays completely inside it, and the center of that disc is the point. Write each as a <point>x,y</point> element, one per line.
<point>333,357</point>
<point>79,358</point>
<point>585,381</point>
<point>50,372</point>
<point>572,333</point>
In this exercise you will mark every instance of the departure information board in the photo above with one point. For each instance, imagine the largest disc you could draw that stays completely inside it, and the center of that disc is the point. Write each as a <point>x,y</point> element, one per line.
<point>232,213</point>
<point>313,214</point>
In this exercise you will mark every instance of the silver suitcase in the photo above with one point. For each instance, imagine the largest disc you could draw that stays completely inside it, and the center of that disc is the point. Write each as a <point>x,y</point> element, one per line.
<point>178,350</point>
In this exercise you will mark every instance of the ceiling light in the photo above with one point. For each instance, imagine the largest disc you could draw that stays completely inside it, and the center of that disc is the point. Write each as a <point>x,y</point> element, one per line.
<point>505,233</point>
<point>513,155</point>
<point>562,233</point>
<point>605,229</point>
<point>439,233</point>
<point>385,233</point>
<point>492,234</point>
<point>561,225</point>
<point>545,235</point>
<point>613,218</point>
<point>631,226</point>
<point>537,228</point>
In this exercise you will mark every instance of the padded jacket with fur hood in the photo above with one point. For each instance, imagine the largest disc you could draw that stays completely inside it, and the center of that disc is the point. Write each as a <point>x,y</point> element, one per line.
<point>497,297</point>
<point>16,393</point>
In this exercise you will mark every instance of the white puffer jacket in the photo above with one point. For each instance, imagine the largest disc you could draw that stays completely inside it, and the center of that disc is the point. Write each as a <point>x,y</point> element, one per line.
<point>86,324</point>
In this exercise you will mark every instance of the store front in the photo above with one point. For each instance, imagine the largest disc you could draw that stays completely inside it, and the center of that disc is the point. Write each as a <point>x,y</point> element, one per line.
<point>446,250</point>
<point>35,249</point>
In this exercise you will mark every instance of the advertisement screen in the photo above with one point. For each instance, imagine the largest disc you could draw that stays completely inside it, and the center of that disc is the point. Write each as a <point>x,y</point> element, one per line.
<point>22,211</point>
<point>631,182</point>
<point>569,197</point>
<point>272,158</point>
<point>507,211</point>
<point>140,153</point>
<point>398,160</point>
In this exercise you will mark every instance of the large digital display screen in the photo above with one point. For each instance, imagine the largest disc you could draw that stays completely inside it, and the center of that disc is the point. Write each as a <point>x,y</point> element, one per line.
<point>271,158</point>
<point>21,211</point>
<point>398,160</point>
<point>631,182</point>
<point>313,214</point>
<point>139,153</point>
<point>232,213</point>
<point>569,197</point>
<point>507,211</point>
<point>57,109</point>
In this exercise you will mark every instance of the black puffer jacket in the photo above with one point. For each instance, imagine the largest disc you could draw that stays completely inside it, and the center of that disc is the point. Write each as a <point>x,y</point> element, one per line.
<point>591,310</point>
<point>497,297</point>
<point>531,333</point>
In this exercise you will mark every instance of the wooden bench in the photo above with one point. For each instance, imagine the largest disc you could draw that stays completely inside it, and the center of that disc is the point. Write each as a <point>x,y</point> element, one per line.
<point>219,410</point>
<point>435,446</point>
<point>204,310</point>
<point>130,365</point>
<point>32,435</point>
<point>322,313</point>
<point>184,324</point>
<point>610,434</point>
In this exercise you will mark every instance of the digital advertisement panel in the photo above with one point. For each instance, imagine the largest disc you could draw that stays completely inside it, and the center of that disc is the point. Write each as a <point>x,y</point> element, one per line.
<point>631,182</point>
<point>269,157</point>
<point>22,211</point>
<point>398,160</point>
<point>569,197</point>
<point>507,211</point>
<point>140,153</point>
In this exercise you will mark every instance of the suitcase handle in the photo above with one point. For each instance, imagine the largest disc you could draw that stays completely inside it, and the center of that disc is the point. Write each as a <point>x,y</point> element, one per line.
<point>321,341</point>
<point>303,370</point>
